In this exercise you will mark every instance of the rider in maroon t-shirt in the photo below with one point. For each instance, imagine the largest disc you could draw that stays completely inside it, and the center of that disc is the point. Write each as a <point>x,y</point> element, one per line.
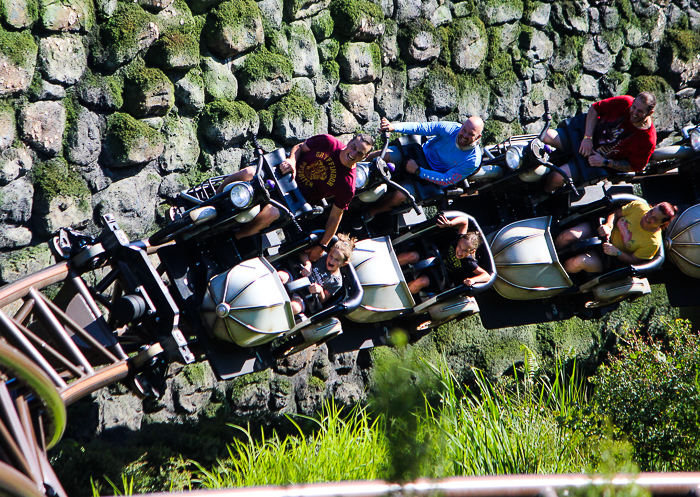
<point>323,167</point>
<point>619,135</point>
<point>320,173</point>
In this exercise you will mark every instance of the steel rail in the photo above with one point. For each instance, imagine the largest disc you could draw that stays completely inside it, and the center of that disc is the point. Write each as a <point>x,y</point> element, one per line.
<point>662,484</point>
<point>41,279</point>
<point>13,483</point>
<point>101,378</point>
<point>32,375</point>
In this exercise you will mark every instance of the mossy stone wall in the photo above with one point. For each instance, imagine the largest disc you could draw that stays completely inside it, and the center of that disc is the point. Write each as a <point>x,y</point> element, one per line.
<point>286,69</point>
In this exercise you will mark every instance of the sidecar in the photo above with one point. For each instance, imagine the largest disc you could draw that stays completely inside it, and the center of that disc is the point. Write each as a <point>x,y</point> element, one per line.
<point>387,302</point>
<point>532,286</point>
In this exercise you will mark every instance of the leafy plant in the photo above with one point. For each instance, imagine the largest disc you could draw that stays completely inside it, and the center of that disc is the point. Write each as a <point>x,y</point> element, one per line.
<point>651,394</point>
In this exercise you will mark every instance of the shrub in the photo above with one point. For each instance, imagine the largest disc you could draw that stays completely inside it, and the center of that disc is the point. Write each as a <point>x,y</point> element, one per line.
<point>651,394</point>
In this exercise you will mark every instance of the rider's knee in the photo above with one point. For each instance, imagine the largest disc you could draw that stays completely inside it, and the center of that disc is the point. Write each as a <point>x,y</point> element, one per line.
<point>269,213</point>
<point>408,258</point>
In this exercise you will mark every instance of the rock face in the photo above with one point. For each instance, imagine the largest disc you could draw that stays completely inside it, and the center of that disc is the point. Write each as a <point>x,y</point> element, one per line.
<point>107,106</point>
<point>119,86</point>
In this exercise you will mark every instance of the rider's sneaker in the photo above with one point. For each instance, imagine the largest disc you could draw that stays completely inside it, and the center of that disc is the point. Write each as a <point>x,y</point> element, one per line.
<point>174,214</point>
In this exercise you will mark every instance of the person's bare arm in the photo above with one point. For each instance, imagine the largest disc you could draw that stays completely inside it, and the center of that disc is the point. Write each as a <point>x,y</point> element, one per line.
<point>305,264</point>
<point>625,258</point>
<point>480,276</point>
<point>331,228</point>
<point>606,228</point>
<point>290,163</point>
<point>586,147</point>
<point>460,223</point>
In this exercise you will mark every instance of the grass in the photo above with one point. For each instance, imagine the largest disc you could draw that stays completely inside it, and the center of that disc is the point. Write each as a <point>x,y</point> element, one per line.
<point>343,447</point>
<point>513,427</point>
<point>544,417</point>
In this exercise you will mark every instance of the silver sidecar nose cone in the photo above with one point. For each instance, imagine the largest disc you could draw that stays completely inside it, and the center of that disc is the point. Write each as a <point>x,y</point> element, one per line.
<point>222,310</point>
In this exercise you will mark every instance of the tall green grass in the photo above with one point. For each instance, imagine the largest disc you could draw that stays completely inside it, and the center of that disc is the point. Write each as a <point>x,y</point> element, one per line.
<point>492,428</point>
<point>344,447</point>
<point>511,429</point>
<point>422,422</point>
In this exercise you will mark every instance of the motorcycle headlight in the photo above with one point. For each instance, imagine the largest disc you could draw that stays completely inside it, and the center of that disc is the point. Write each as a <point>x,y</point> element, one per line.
<point>695,139</point>
<point>360,176</point>
<point>514,158</point>
<point>241,195</point>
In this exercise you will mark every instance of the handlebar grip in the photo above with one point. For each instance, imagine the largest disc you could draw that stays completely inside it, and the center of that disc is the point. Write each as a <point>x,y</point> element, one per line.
<point>546,106</point>
<point>257,145</point>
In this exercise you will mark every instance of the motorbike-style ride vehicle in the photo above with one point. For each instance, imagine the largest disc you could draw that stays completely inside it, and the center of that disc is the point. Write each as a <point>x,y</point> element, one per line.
<point>388,303</point>
<point>531,281</point>
<point>233,285</point>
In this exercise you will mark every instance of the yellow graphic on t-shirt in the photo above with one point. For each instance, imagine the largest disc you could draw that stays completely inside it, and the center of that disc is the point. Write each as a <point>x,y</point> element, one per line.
<point>318,171</point>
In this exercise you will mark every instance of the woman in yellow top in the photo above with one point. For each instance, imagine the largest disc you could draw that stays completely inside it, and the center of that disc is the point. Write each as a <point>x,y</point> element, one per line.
<point>632,233</point>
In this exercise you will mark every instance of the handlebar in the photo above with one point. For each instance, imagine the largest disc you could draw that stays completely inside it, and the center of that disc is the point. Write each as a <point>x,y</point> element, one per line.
<point>259,150</point>
<point>547,119</point>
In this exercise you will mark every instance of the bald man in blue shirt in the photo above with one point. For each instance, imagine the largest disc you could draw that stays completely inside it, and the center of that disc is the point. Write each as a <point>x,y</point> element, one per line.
<point>453,153</point>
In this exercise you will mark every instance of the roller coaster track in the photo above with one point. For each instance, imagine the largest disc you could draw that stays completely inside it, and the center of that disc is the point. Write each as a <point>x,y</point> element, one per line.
<point>50,357</point>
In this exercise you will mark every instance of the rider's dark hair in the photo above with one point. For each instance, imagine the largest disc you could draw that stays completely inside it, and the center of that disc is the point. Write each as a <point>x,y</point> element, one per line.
<point>365,138</point>
<point>668,211</point>
<point>649,98</point>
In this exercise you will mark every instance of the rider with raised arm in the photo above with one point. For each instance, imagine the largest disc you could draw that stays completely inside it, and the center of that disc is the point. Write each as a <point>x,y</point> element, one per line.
<point>453,153</point>
<point>619,134</point>
<point>323,167</point>
<point>632,233</point>
<point>460,262</point>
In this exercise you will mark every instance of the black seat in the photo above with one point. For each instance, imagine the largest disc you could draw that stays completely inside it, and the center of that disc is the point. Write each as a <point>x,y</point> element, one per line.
<point>285,184</point>
<point>411,148</point>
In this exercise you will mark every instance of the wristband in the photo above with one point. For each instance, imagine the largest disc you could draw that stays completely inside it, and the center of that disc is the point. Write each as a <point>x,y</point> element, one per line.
<point>587,137</point>
<point>619,253</point>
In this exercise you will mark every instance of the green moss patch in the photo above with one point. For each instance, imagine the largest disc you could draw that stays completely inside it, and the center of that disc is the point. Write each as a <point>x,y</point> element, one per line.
<point>55,178</point>
<point>19,47</point>
<point>295,102</point>
<point>111,87</point>
<point>124,26</point>
<point>654,84</point>
<point>409,32</point>
<point>349,15</point>
<point>263,64</point>
<point>177,48</point>
<point>144,79</point>
<point>230,13</point>
<point>328,49</point>
<point>227,113</point>
<point>685,43</point>
<point>322,25</point>
<point>124,132</point>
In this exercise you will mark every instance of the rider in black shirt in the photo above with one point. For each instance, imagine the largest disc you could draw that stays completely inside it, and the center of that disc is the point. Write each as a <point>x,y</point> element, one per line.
<point>459,261</point>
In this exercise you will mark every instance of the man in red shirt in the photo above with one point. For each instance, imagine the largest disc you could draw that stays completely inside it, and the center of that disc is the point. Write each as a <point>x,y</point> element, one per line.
<point>619,134</point>
<point>323,167</point>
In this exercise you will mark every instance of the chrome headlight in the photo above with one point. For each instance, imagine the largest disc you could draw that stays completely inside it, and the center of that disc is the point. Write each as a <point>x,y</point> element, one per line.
<point>361,174</point>
<point>695,139</point>
<point>241,195</point>
<point>514,157</point>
